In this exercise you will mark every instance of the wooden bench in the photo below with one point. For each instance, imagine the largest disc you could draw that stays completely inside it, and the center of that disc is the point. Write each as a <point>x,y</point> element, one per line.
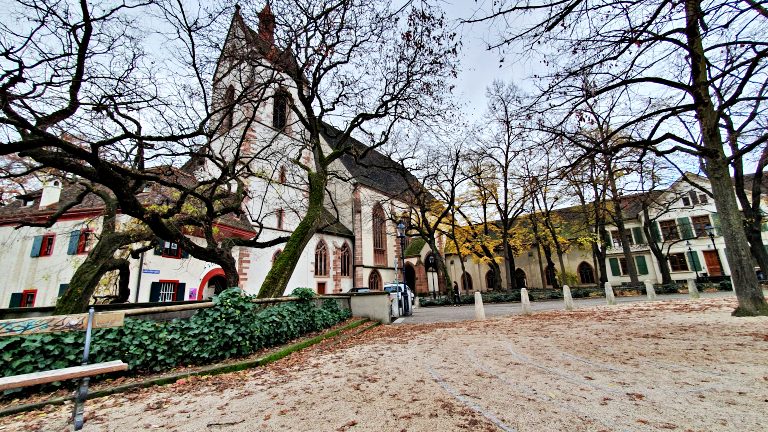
<point>58,323</point>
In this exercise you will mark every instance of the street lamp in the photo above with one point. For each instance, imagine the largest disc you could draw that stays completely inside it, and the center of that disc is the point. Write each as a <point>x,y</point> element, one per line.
<point>711,233</point>
<point>406,297</point>
<point>433,269</point>
<point>693,263</point>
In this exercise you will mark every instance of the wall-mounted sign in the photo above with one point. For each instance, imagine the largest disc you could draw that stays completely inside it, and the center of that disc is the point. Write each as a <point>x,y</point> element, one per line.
<point>150,271</point>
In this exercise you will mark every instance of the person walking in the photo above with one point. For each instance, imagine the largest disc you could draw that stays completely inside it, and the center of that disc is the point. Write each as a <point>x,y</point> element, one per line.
<point>456,297</point>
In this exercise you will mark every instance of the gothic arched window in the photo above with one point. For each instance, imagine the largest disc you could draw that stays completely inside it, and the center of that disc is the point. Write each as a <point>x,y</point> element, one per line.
<point>346,260</point>
<point>280,110</point>
<point>379,236</point>
<point>321,259</point>
<point>374,281</point>
<point>229,108</point>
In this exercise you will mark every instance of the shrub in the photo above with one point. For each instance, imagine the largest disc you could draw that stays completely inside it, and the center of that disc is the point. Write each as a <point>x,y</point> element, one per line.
<point>233,327</point>
<point>672,288</point>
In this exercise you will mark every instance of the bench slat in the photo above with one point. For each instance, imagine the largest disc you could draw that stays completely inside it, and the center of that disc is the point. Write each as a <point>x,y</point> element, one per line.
<point>61,374</point>
<point>56,323</point>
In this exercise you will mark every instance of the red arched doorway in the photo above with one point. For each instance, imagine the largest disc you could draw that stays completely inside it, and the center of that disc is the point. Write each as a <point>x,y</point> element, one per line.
<point>215,277</point>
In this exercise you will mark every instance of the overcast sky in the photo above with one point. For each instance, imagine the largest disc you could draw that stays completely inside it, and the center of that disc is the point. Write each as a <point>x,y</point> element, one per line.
<point>479,67</point>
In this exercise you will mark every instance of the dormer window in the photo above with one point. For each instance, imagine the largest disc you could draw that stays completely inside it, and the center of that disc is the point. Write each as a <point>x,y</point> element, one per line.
<point>280,110</point>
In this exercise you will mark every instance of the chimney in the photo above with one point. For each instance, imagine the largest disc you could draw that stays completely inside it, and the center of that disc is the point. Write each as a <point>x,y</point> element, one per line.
<point>51,192</point>
<point>267,25</point>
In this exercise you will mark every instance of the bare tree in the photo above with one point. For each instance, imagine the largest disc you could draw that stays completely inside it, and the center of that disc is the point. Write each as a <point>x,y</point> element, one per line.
<point>502,149</point>
<point>664,58</point>
<point>364,68</point>
<point>94,72</point>
<point>84,90</point>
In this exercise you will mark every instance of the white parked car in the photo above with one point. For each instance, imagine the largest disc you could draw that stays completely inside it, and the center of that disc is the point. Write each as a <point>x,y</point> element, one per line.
<point>400,289</point>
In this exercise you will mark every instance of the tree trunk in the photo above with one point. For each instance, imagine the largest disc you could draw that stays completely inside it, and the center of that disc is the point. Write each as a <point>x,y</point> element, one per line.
<point>601,254</point>
<point>562,265</point>
<point>663,261</point>
<point>753,225</point>
<point>123,290</point>
<point>551,268</point>
<point>277,279</point>
<point>507,258</point>
<point>737,249</point>
<point>619,220</point>
<point>512,269</point>
<point>748,291</point>
<point>757,248</point>
<point>85,280</point>
<point>541,267</point>
<point>658,253</point>
<point>99,261</point>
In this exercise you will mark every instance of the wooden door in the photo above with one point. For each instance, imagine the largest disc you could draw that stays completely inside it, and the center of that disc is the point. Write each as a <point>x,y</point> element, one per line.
<point>713,264</point>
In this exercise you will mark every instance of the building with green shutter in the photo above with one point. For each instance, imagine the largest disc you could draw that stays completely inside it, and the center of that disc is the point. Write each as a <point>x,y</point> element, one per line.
<point>677,227</point>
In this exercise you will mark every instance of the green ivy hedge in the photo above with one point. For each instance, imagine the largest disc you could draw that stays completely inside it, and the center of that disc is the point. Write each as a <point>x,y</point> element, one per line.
<point>233,327</point>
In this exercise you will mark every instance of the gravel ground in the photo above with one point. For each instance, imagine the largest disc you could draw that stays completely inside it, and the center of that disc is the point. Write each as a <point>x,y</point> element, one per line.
<point>675,365</point>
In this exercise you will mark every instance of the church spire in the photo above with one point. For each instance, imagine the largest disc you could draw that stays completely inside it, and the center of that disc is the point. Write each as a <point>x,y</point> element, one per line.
<point>267,24</point>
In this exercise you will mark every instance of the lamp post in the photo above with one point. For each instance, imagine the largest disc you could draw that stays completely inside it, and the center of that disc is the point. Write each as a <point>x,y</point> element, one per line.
<point>711,233</point>
<point>406,296</point>
<point>431,268</point>
<point>693,263</point>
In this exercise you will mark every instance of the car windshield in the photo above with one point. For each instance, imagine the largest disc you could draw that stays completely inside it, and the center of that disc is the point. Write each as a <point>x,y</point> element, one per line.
<point>390,288</point>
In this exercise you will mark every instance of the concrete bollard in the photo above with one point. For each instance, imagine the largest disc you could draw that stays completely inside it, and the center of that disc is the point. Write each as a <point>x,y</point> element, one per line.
<point>479,309</point>
<point>525,301</point>
<point>609,297</point>
<point>567,297</point>
<point>650,290</point>
<point>693,292</point>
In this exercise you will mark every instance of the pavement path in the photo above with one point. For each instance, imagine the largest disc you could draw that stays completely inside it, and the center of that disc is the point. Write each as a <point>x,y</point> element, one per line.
<point>434,314</point>
<point>681,365</point>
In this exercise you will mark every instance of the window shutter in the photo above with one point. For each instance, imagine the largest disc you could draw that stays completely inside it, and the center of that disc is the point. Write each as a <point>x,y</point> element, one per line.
<point>695,263</point>
<point>154,292</point>
<point>764,227</point>
<point>74,239</point>
<point>62,289</point>
<point>655,232</point>
<point>158,247</point>
<point>642,266</point>
<point>15,300</point>
<point>180,291</point>
<point>615,270</point>
<point>184,253</point>
<point>637,233</point>
<point>36,243</point>
<point>694,197</point>
<point>686,232</point>
<point>716,222</point>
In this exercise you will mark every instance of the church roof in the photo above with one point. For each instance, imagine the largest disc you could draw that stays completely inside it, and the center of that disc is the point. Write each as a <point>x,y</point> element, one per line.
<point>371,168</point>
<point>330,224</point>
